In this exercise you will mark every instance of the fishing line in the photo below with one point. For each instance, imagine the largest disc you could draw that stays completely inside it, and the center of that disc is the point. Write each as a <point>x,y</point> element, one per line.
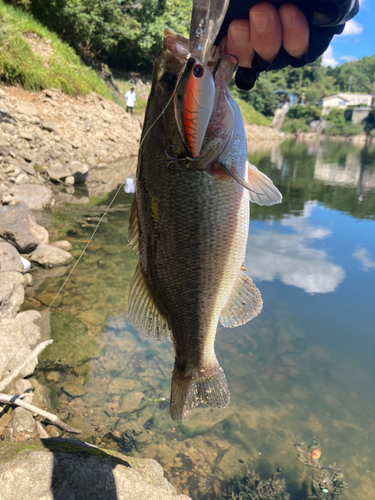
<point>91,237</point>
<point>161,114</point>
<point>72,270</point>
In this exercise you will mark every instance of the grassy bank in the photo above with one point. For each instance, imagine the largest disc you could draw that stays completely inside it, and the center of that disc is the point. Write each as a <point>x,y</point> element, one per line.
<point>34,57</point>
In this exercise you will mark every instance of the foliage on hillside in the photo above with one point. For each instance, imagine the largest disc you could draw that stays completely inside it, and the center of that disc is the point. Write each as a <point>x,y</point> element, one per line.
<point>122,33</point>
<point>34,57</point>
<point>127,35</point>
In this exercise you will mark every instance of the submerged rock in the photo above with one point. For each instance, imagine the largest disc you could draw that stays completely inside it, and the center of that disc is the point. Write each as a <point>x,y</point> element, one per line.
<point>63,244</point>
<point>63,469</point>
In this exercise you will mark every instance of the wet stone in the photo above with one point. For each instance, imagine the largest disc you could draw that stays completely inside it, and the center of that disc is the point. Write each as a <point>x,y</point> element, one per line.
<point>131,402</point>
<point>53,376</point>
<point>120,385</point>
<point>63,244</point>
<point>74,390</point>
<point>53,431</point>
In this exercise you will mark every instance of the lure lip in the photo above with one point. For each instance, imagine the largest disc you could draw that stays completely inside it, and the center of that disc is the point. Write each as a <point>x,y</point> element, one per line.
<point>193,104</point>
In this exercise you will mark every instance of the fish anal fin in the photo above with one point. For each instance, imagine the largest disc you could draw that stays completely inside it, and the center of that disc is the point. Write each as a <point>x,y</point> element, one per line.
<point>263,191</point>
<point>144,314</point>
<point>209,387</point>
<point>245,302</point>
<point>133,231</point>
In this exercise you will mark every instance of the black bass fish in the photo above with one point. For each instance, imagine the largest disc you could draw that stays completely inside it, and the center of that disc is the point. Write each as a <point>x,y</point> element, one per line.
<point>189,225</point>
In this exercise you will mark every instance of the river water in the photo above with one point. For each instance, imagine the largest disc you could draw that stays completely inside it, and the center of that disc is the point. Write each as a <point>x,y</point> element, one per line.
<point>303,367</point>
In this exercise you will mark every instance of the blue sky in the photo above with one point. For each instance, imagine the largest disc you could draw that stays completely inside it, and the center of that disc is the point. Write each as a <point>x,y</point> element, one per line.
<point>357,40</point>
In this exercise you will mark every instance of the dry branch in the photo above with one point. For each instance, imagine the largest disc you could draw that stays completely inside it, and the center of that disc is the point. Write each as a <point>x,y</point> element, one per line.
<point>13,374</point>
<point>16,400</point>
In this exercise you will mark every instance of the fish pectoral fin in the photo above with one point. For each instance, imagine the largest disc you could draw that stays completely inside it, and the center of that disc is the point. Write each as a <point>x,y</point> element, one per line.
<point>263,191</point>
<point>144,314</point>
<point>133,231</point>
<point>209,387</point>
<point>244,303</point>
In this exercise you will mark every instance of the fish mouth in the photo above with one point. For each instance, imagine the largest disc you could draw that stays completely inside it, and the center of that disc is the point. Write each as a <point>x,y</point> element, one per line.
<point>199,93</point>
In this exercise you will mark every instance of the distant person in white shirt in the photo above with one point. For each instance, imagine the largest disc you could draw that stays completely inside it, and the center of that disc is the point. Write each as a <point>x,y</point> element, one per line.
<point>130,100</point>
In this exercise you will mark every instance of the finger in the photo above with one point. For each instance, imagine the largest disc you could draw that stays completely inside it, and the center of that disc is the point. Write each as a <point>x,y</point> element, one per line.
<point>265,30</point>
<point>238,42</point>
<point>295,30</point>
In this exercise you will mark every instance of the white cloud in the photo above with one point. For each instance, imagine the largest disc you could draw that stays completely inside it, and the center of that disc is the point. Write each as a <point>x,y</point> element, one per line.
<point>288,256</point>
<point>329,59</point>
<point>352,28</point>
<point>362,255</point>
<point>348,58</point>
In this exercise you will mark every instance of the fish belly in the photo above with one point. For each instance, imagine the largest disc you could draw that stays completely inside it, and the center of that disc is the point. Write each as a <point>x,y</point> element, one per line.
<point>193,234</point>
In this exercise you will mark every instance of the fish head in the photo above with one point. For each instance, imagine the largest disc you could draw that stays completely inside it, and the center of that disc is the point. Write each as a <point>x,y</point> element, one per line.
<point>208,82</point>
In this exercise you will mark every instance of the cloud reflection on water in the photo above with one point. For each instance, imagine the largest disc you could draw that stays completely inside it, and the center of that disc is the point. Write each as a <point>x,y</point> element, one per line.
<point>362,255</point>
<point>290,257</point>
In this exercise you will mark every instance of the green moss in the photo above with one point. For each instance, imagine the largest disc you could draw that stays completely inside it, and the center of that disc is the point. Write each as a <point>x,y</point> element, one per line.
<point>72,345</point>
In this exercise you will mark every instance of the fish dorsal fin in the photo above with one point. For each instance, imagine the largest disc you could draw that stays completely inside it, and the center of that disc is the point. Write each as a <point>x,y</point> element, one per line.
<point>144,314</point>
<point>244,303</point>
<point>263,191</point>
<point>133,231</point>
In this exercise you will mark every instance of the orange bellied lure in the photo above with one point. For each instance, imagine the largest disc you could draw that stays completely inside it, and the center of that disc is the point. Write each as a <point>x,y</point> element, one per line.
<point>193,104</point>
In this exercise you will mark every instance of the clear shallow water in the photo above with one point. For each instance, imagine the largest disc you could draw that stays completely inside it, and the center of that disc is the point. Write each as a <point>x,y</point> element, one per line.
<point>303,367</point>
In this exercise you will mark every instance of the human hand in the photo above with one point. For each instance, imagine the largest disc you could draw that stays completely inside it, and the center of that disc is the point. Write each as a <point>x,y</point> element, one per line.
<point>266,31</point>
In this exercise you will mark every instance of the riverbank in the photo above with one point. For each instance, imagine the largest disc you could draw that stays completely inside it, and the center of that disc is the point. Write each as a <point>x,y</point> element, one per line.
<point>355,139</point>
<point>54,149</point>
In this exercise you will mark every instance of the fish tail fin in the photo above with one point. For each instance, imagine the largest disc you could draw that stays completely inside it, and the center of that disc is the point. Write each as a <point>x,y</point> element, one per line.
<point>209,387</point>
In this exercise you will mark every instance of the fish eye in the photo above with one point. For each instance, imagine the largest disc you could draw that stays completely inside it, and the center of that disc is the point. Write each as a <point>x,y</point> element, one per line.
<point>198,71</point>
<point>168,81</point>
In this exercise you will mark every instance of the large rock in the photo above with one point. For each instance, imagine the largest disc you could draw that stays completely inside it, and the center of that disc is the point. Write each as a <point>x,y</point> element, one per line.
<point>62,173</point>
<point>58,172</point>
<point>79,171</point>
<point>11,296</point>
<point>36,197</point>
<point>72,470</point>
<point>10,259</point>
<point>31,330</point>
<point>14,348</point>
<point>18,226</point>
<point>47,255</point>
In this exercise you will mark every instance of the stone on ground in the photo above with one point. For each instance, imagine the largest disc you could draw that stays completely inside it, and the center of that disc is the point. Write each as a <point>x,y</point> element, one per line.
<point>48,255</point>
<point>69,470</point>
<point>18,226</point>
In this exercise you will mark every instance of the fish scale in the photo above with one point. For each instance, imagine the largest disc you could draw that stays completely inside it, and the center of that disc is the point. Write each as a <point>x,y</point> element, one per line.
<point>189,225</point>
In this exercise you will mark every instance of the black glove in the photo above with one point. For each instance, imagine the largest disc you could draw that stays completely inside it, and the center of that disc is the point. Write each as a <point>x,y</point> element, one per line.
<point>325,19</point>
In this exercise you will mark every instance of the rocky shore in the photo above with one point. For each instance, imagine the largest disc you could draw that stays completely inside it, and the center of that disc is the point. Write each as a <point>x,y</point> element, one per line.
<point>50,146</point>
<point>56,149</point>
